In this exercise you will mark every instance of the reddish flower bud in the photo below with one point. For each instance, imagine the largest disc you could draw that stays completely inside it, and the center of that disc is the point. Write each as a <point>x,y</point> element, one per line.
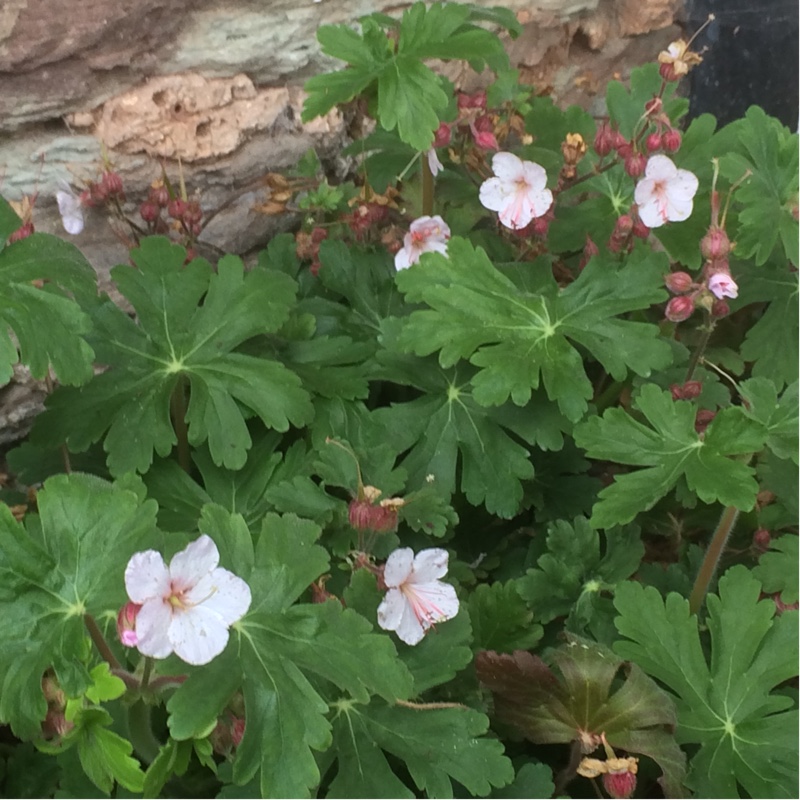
<point>112,183</point>
<point>671,140</point>
<point>98,194</point>
<point>761,540</point>
<point>715,245</point>
<point>319,234</point>
<point>619,140</point>
<point>653,106</point>
<point>159,195</point>
<point>678,282</point>
<point>23,232</point>
<point>55,724</point>
<point>679,309</point>
<point>237,730</point>
<point>640,230</point>
<point>149,211</point>
<point>603,140</point>
<point>540,226</point>
<point>692,389</point>
<point>635,164</point>
<point>719,309</point>
<point>703,419</point>
<point>176,208</point>
<point>667,72</point>
<point>676,390</point>
<point>620,784</point>
<point>467,101</point>
<point>624,226</point>
<point>625,150</point>
<point>126,624</point>
<point>443,135</point>
<point>653,142</point>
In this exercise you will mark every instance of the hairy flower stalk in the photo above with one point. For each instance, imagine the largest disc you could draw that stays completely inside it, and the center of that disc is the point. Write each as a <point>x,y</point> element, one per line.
<point>712,557</point>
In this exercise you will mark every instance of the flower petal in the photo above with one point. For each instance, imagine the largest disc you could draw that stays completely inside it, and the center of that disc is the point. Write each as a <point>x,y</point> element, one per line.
<point>398,567</point>
<point>402,259</point>
<point>429,565</point>
<point>660,168</point>
<point>410,630</point>
<point>432,602</point>
<point>391,610</point>
<point>493,194</point>
<point>222,592</point>
<point>146,576</point>
<point>507,167</point>
<point>198,635</point>
<point>193,562</point>
<point>535,177</point>
<point>152,628</point>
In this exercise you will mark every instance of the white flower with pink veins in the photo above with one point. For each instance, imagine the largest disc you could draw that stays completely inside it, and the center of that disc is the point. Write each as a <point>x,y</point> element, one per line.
<point>666,193</point>
<point>416,599</point>
<point>518,192</point>
<point>186,608</point>
<point>720,284</point>
<point>425,235</point>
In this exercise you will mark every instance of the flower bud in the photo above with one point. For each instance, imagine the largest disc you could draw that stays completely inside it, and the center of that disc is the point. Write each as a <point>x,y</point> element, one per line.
<point>692,389</point>
<point>619,141</point>
<point>715,245</point>
<point>640,230</point>
<point>671,140</point>
<point>653,106</point>
<point>703,419</point>
<point>761,540</point>
<point>237,730</point>
<point>679,309</point>
<point>55,724</point>
<point>603,140</point>
<point>112,183</point>
<point>159,194</point>
<point>653,142</point>
<point>721,284</point>
<point>98,194</point>
<point>443,135</point>
<point>635,164</point>
<point>678,282</point>
<point>149,211</point>
<point>719,309</point>
<point>623,226</point>
<point>23,232</point>
<point>620,783</point>
<point>667,72</point>
<point>176,208</point>
<point>126,624</point>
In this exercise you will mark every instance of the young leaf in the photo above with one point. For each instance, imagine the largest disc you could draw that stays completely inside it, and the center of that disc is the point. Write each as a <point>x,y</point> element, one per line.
<point>61,343</point>
<point>669,447</point>
<point>746,736</point>
<point>581,700</point>
<point>180,345</point>
<point>777,568</point>
<point>66,562</point>
<point>500,619</point>
<point>519,338</point>
<point>571,575</point>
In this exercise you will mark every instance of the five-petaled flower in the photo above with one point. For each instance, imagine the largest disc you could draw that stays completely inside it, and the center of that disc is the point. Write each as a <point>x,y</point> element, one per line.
<point>518,192</point>
<point>665,193</point>
<point>426,235</point>
<point>416,599</point>
<point>186,608</point>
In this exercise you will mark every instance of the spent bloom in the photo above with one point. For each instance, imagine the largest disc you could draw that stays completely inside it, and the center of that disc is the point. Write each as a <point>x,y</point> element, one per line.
<point>518,191</point>
<point>69,207</point>
<point>665,193</point>
<point>416,598</point>
<point>186,608</point>
<point>425,235</point>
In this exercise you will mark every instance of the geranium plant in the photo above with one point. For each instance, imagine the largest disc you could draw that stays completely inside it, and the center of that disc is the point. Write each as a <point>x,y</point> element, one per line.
<point>481,483</point>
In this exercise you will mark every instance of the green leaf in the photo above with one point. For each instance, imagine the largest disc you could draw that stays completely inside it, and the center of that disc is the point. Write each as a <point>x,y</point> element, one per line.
<point>572,574</point>
<point>744,732</point>
<point>61,343</point>
<point>500,619</point>
<point>532,781</point>
<point>519,338</point>
<point>438,745</point>
<point>105,686</point>
<point>779,417</point>
<point>777,568</point>
<point>669,447</point>
<point>180,345</point>
<point>583,697</point>
<point>66,562</point>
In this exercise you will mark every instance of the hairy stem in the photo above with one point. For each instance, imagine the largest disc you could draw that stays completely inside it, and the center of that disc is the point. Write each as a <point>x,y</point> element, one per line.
<point>100,642</point>
<point>177,405</point>
<point>140,732</point>
<point>699,350</point>
<point>563,777</point>
<point>427,187</point>
<point>712,557</point>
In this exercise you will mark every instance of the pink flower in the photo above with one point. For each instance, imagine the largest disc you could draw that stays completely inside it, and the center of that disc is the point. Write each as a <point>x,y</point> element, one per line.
<point>433,162</point>
<point>426,235</point>
<point>517,192</point>
<point>665,193</point>
<point>720,284</point>
<point>126,624</point>
<point>416,598</point>
<point>186,608</point>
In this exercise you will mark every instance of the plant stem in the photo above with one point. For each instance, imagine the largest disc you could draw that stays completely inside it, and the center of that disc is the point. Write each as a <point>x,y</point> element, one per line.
<point>100,642</point>
<point>148,668</point>
<point>711,560</point>
<point>427,187</point>
<point>48,382</point>
<point>609,395</point>
<point>563,777</point>
<point>140,732</point>
<point>699,350</point>
<point>177,405</point>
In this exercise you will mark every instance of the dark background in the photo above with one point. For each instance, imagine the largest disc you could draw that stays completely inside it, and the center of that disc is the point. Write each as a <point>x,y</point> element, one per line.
<point>751,58</point>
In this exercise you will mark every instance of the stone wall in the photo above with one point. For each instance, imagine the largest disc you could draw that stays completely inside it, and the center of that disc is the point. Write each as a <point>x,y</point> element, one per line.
<point>218,86</point>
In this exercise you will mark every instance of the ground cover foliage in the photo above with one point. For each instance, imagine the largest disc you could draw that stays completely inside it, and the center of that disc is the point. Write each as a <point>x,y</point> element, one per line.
<point>542,363</point>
